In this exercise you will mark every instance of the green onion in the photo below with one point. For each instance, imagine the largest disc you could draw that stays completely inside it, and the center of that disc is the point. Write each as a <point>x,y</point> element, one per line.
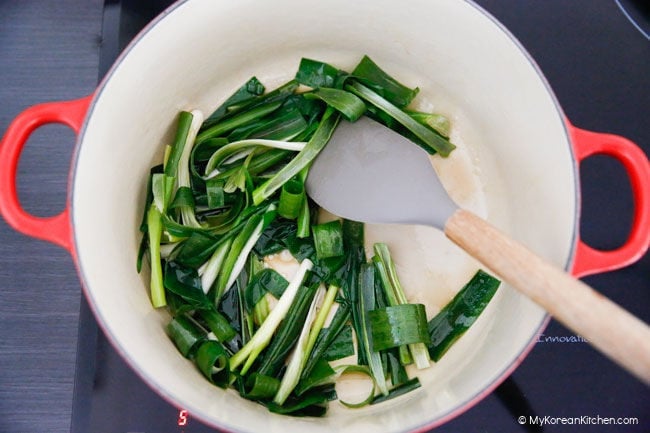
<point>287,333</point>
<point>218,324</point>
<point>259,386</point>
<point>314,73</point>
<point>397,391</point>
<point>459,314</point>
<point>398,325</point>
<point>212,360</point>
<point>185,334</point>
<point>265,281</point>
<point>299,356</point>
<point>416,350</point>
<point>237,147</point>
<point>370,74</point>
<point>240,249</point>
<point>366,304</point>
<point>433,142</point>
<point>304,157</point>
<point>215,193</point>
<point>210,269</point>
<point>328,239</point>
<point>348,104</point>
<point>263,336</point>
<point>155,230</point>
<point>292,198</point>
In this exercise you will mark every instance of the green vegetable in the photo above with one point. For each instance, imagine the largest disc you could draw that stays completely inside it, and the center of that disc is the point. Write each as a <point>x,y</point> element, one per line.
<point>398,325</point>
<point>292,198</point>
<point>431,141</point>
<point>371,75</point>
<point>328,239</point>
<point>210,222</point>
<point>212,359</point>
<point>457,316</point>
<point>185,334</point>
<point>304,157</point>
<point>263,336</point>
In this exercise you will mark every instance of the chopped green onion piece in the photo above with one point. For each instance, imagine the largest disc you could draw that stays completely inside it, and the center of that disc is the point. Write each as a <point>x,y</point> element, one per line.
<point>366,304</point>
<point>185,334</point>
<point>397,325</point>
<point>182,130</point>
<point>314,73</point>
<point>227,125</point>
<point>265,281</point>
<point>438,122</point>
<point>212,360</point>
<point>215,193</point>
<point>458,315</point>
<point>218,324</point>
<point>155,232</point>
<point>248,91</point>
<point>292,198</point>
<point>398,391</point>
<point>240,249</point>
<point>299,356</point>
<point>211,268</point>
<point>348,370</point>
<point>287,333</point>
<point>263,336</point>
<point>385,265</point>
<point>328,239</point>
<point>300,161</point>
<point>348,104</point>
<point>433,141</point>
<point>260,386</point>
<point>370,74</point>
<point>234,148</point>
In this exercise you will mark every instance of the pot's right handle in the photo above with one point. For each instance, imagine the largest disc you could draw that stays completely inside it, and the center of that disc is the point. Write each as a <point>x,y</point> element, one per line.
<point>587,259</point>
<point>55,229</point>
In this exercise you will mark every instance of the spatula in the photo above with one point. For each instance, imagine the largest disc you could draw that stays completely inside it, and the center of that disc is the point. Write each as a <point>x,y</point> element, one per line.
<point>369,173</point>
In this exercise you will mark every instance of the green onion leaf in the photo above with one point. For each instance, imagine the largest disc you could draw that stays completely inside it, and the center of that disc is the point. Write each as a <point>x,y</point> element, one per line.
<point>260,387</point>
<point>185,334</point>
<point>292,198</point>
<point>314,73</point>
<point>459,314</point>
<point>433,142</point>
<point>212,360</point>
<point>248,91</point>
<point>398,391</point>
<point>397,325</point>
<point>265,281</point>
<point>370,74</point>
<point>367,304</point>
<point>304,158</point>
<point>155,232</point>
<point>328,239</point>
<point>263,336</point>
<point>348,104</point>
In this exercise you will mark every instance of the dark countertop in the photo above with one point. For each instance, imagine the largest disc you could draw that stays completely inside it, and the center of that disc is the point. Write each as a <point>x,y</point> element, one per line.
<point>596,62</point>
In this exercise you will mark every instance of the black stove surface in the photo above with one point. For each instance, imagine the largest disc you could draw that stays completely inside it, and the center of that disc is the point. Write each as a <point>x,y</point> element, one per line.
<point>596,57</point>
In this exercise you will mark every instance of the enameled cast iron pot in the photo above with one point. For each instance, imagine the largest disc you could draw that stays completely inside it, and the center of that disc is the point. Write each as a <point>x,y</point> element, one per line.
<point>525,153</point>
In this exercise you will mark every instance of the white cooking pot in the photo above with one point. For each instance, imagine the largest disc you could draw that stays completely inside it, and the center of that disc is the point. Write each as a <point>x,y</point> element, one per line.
<point>523,155</point>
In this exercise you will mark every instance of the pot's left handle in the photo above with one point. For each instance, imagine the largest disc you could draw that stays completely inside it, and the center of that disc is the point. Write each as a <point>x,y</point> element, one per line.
<point>55,229</point>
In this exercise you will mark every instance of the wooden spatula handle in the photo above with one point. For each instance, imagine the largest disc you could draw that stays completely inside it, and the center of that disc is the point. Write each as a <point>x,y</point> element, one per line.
<point>615,332</point>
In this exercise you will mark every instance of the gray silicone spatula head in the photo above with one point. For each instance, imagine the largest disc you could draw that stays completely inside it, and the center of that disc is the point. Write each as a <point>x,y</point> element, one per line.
<point>369,173</point>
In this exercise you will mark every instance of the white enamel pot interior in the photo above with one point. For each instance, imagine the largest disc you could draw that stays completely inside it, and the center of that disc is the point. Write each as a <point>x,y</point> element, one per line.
<point>466,65</point>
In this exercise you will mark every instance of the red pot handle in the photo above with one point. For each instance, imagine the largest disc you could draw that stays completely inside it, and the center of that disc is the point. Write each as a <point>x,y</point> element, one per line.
<point>587,143</point>
<point>56,229</point>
